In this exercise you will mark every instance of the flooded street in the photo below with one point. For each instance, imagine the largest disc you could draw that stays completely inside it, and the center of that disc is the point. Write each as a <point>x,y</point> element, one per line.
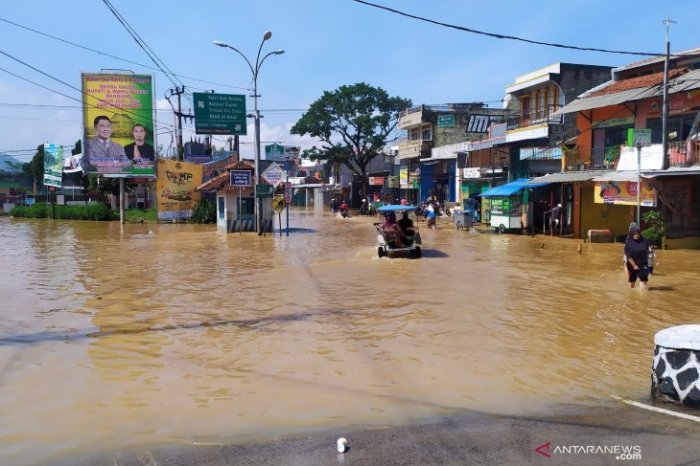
<point>167,334</point>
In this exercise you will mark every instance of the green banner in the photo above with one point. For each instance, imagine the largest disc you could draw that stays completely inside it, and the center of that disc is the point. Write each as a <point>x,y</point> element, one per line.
<point>53,165</point>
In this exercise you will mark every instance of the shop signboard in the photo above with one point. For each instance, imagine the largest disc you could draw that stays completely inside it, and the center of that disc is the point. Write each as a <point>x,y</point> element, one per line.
<point>624,193</point>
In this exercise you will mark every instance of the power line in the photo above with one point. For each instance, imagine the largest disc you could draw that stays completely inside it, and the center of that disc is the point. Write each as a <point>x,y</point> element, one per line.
<point>504,36</point>
<point>143,45</point>
<point>58,80</point>
<point>126,60</point>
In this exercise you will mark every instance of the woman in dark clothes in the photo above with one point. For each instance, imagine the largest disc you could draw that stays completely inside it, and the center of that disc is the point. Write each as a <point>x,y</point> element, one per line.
<point>636,252</point>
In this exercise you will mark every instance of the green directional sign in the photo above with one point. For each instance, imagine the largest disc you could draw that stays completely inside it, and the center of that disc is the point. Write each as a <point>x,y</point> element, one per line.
<point>219,113</point>
<point>263,190</point>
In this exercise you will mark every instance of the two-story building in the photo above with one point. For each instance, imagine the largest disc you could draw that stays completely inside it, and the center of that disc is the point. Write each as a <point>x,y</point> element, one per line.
<point>535,135</point>
<point>633,99</point>
<point>437,126</point>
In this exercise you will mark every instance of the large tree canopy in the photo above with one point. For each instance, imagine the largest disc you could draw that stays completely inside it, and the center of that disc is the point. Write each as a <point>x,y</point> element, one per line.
<point>354,123</point>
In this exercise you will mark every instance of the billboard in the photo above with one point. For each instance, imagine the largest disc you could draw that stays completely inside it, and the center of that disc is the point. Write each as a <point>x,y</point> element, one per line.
<point>53,165</point>
<point>118,124</point>
<point>624,193</point>
<point>175,188</point>
<point>280,153</point>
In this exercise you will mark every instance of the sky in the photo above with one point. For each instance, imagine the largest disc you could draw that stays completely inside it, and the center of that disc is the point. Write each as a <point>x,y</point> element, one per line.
<point>327,44</point>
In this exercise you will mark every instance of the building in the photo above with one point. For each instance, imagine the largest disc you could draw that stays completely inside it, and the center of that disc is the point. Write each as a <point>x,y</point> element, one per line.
<point>425,173</point>
<point>603,161</point>
<point>536,133</point>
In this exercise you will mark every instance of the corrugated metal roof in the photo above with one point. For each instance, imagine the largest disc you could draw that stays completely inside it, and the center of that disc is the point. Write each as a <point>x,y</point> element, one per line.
<point>568,177</point>
<point>687,82</point>
<point>688,171</point>
<point>621,175</point>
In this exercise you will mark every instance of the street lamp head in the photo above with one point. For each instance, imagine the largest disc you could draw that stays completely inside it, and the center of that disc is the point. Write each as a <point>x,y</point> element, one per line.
<point>267,35</point>
<point>218,43</point>
<point>278,52</point>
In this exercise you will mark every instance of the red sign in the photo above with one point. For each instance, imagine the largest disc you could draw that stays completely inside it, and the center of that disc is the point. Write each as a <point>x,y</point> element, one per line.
<point>288,193</point>
<point>376,180</point>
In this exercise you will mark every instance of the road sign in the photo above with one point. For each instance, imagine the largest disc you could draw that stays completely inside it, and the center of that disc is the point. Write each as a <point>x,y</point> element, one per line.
<point>639,137</point>
<point>278,203</point>
<point>219,113</point>
<point>242,178</point>
<point>274,174</point>
<point>288,192</point>
<point>263,190</point>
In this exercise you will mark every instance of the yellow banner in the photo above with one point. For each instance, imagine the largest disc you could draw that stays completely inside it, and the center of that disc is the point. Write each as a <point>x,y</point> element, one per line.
<point>175,188</point>
<point>624,193</point>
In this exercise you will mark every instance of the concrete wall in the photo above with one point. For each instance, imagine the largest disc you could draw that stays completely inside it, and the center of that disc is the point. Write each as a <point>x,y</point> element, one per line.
<point>596,216</point>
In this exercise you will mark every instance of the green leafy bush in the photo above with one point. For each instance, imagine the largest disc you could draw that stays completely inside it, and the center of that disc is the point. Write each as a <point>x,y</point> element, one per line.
<point>204,212</point>
<point>68,212</point>
<point>656,228</point>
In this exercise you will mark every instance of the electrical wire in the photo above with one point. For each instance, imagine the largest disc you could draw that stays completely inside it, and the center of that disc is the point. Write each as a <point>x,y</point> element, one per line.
<point>504,36</point>
<point>143,45</point>
<point>126,60</point>
<point>58,80</point>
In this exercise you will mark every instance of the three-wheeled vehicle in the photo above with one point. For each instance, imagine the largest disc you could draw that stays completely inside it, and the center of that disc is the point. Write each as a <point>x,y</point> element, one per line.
<point>387,242</point>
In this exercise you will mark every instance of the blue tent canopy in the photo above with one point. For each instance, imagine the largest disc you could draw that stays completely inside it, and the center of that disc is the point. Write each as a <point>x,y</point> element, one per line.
<point>396,208</point>
<point>511,188</point>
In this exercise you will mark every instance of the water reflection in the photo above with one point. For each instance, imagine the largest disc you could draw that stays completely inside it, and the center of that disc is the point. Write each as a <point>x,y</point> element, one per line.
<point>114,337</point>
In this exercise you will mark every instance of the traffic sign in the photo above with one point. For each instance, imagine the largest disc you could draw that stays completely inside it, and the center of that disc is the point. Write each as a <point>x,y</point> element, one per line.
<point>278,203</point>
<point>263,190</point>
<point>219,113</point>
<point>242,178</point>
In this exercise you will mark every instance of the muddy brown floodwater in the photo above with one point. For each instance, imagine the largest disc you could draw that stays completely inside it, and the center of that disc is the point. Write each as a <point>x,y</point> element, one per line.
<point>174,334</point>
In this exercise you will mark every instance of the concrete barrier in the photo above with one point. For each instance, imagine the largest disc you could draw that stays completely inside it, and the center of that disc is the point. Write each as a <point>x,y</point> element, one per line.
<point>601,236</point>
<point>675,375</point>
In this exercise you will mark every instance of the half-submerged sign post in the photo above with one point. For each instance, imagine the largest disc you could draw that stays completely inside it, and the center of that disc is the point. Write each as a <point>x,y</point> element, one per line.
<point>640,138</point>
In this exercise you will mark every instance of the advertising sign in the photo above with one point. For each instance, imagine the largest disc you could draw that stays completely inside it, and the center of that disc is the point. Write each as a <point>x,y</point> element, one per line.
<point>652,158</point>
<point>118,124</point>
<point>53,165</point>
<point>624,193</point>
<point>175,188</point>
<point>446,121</point>
<point>263,190</point>
<point>219,113</point>
<point>274,174</point>
<point>393,181</point>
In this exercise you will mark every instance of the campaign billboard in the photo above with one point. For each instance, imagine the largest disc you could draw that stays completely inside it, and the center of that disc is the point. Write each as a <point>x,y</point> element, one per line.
<point>118,124</point>
<point>175,188</point>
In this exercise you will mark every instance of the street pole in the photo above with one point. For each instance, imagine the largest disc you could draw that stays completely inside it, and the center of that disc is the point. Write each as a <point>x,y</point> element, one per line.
<point>664,104</point>
<point>255,70</point>
<point>639,180</point>
<point>286,186</point>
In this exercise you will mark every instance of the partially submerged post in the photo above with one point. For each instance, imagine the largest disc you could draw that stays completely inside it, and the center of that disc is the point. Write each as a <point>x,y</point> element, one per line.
<point>675,375</point>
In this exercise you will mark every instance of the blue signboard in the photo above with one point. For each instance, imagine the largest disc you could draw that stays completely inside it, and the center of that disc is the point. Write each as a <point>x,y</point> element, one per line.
<point>241,178</point>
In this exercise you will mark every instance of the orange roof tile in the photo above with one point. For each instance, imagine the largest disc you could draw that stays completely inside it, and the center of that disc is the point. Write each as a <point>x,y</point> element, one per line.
<point>647,80</point>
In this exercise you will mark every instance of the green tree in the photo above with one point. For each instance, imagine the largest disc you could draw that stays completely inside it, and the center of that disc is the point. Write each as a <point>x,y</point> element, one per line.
<point>77,148</point>
<point>354,123</point>
<point>36,166</point>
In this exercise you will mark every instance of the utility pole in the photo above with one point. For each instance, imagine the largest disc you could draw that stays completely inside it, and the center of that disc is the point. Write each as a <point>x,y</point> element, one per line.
<point>664,105</point>
<point>178,91</point>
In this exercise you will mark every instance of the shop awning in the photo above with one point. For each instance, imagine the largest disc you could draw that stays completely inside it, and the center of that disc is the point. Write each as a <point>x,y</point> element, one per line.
<point>568,177</point>
<point>673,172</point>
<point>511,188</point>
<point>621,175</point>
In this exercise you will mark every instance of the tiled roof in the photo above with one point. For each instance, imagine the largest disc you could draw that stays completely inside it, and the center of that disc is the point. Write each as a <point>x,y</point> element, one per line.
<point>638,82</point>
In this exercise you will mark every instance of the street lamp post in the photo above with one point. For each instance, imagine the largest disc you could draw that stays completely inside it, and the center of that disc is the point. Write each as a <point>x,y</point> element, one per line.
<point>255,70</point>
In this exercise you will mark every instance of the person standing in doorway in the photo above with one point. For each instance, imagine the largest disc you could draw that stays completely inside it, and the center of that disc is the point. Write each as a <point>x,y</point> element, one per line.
<point>636,253</point>
<point>554,218</point>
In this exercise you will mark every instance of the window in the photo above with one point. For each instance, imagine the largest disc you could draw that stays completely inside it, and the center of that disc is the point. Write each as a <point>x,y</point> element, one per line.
<point>414,135</point>
<point>427,134</point>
